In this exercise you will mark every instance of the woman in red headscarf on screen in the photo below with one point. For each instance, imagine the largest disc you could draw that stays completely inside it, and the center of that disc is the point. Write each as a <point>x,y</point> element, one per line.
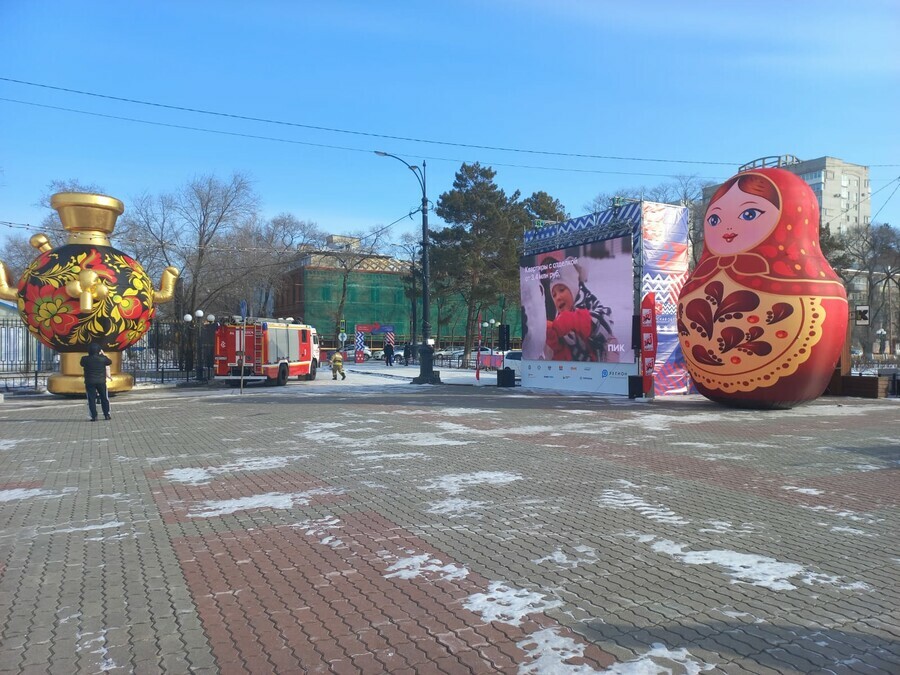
<point>763,317</point>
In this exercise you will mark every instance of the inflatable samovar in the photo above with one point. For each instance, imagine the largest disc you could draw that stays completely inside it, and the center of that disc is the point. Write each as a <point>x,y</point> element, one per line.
<point>86,292</point>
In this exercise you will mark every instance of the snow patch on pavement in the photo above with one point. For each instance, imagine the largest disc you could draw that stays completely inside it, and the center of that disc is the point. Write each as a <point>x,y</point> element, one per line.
<point>802,491</point>
<point>584,555</point>
<point>616,499</point>
<point>422,565</point>
<point>453,484</point>
<point>322,528</point>
<point>270,500</point>
<point>507,604</point>
<point>457,508</point>
<point>202,476</point>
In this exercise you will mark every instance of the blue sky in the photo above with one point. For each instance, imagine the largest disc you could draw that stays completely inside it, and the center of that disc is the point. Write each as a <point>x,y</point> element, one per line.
<point>704,85</point>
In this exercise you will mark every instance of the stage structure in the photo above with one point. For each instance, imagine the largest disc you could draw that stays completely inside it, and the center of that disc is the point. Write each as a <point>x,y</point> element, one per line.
<point>582,285</point>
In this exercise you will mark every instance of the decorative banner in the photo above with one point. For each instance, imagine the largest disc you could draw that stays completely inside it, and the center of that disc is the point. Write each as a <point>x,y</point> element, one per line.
<point>648,340</point>
<point>664,230</point>
<point>359,356</point>
<point>389,338</point>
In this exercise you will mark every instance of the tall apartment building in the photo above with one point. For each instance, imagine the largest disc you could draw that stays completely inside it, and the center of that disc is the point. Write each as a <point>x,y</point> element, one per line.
<point>841,188</point>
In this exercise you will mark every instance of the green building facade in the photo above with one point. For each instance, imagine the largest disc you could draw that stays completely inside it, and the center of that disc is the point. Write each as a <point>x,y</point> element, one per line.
<point>378,291</point>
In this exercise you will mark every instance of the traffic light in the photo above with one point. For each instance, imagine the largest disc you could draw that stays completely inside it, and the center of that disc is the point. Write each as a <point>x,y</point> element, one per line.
<point>343,326</point>
<point>503,338</point>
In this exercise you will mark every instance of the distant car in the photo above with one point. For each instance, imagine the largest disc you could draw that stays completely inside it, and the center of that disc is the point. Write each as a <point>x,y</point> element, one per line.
<point>513,359</point>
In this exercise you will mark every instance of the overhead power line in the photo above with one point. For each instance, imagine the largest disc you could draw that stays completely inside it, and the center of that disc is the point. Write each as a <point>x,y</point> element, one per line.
<point>250,118</point>
<point>276,139</point>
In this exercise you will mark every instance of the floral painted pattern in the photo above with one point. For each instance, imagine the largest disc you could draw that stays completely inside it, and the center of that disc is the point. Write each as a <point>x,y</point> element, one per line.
<point>115,321</point>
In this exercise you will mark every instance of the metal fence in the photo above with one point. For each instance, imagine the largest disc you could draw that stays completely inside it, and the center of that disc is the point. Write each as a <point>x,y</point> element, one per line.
<point>169,351</point>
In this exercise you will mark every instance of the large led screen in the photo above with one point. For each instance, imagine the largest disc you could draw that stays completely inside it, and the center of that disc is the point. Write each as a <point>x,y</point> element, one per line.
<point>578,303</point>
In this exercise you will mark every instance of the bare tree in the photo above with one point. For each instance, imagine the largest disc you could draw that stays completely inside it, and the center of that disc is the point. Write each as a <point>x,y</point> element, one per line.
<point>190,230</point>
<point>252,260</point>
<point>410,252</point>
<point>872,252</point>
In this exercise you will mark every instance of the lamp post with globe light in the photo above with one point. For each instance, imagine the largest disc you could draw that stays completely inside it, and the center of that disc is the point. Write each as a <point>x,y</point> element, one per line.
<point>198,342</point>
<point>489,327</point>
<point>427,374</point>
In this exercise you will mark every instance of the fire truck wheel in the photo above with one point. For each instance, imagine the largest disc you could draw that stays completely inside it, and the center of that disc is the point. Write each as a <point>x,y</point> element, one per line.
<point>282,376</point>
<point>312,371</point>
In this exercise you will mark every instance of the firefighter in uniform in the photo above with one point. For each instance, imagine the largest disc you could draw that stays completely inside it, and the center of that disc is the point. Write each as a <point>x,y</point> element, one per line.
<point>337,366</point>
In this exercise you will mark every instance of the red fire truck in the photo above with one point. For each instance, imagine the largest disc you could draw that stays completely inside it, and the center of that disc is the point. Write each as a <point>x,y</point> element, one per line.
<point>270,350</point>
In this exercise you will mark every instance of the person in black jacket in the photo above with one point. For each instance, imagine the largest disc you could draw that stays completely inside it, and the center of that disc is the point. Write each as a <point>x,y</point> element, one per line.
<point>94,365</point>
<point>389,354</point>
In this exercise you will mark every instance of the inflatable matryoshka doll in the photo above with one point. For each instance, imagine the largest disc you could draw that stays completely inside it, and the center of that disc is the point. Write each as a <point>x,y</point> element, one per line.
<point>86,291</point>
<point>763,317</point>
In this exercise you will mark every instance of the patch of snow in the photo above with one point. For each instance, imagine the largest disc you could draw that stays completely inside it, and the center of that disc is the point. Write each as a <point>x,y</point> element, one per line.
<point>726,527</point>
<point>202,476</point>
<point>660,661</point>
<point>10,444</point>
<point>21,493</point>
<point>586,556</point>
<point>423,565</point>
<point>852,530</point>
<point>271,500</point>
<point>321,527</point>
<point>714,457</point>
<point>865,518</point>
<point>506,604</point>
<point>373,455</point>
<point>548,653</point>
<point>454,484</point>
<point>89,528</point>
<point>616,499</point>
<point>757,570</point>
<point>802,491</point>
<point>456,508</point>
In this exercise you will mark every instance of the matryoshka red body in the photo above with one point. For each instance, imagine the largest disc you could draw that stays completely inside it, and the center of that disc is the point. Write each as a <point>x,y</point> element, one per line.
<point>763,318</point>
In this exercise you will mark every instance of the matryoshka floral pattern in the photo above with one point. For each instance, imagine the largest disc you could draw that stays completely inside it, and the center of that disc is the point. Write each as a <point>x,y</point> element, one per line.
<point>116,321</point>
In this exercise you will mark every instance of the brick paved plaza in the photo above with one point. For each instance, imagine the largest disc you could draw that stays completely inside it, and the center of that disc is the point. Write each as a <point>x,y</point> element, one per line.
<point>343,528</point>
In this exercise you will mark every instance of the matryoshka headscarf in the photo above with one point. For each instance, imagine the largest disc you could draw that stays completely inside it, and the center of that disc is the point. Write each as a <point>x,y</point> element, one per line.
<point>789,259</point>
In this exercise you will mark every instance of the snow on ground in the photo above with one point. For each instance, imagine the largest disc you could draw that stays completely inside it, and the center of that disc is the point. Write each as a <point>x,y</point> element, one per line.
<point>202,476</point>
<point>616,499</point>
<point>507,604</point>
<point>454,484</point>
<point>757,570</point>
<point>271,500</point>
<point>15,494</point>
<point>421,565</point>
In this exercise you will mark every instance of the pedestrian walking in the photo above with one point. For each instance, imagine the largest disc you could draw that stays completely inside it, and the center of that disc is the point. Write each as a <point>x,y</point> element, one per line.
<point>406,352</point>
<point>337,366</point>
<point>389,354</point>
<point>95,366</point>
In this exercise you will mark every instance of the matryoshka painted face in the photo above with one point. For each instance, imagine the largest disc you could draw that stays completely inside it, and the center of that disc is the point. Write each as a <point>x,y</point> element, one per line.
<point>738,221</point>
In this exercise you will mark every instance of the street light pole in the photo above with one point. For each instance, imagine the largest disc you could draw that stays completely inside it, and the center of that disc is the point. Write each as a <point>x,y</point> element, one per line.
<point>199,367</point>
<point>427,373</point>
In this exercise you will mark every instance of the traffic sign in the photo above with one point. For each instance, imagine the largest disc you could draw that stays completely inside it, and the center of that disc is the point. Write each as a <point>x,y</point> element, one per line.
<point>862,315</point>
<point>342,337</point>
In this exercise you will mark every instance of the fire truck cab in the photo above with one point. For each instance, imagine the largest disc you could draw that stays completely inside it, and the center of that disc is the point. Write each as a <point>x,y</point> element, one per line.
<point>265,350</point>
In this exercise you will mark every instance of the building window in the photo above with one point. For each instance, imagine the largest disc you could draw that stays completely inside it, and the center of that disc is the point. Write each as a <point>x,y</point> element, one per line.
<point>845,182</point>
<point>829,174</point>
